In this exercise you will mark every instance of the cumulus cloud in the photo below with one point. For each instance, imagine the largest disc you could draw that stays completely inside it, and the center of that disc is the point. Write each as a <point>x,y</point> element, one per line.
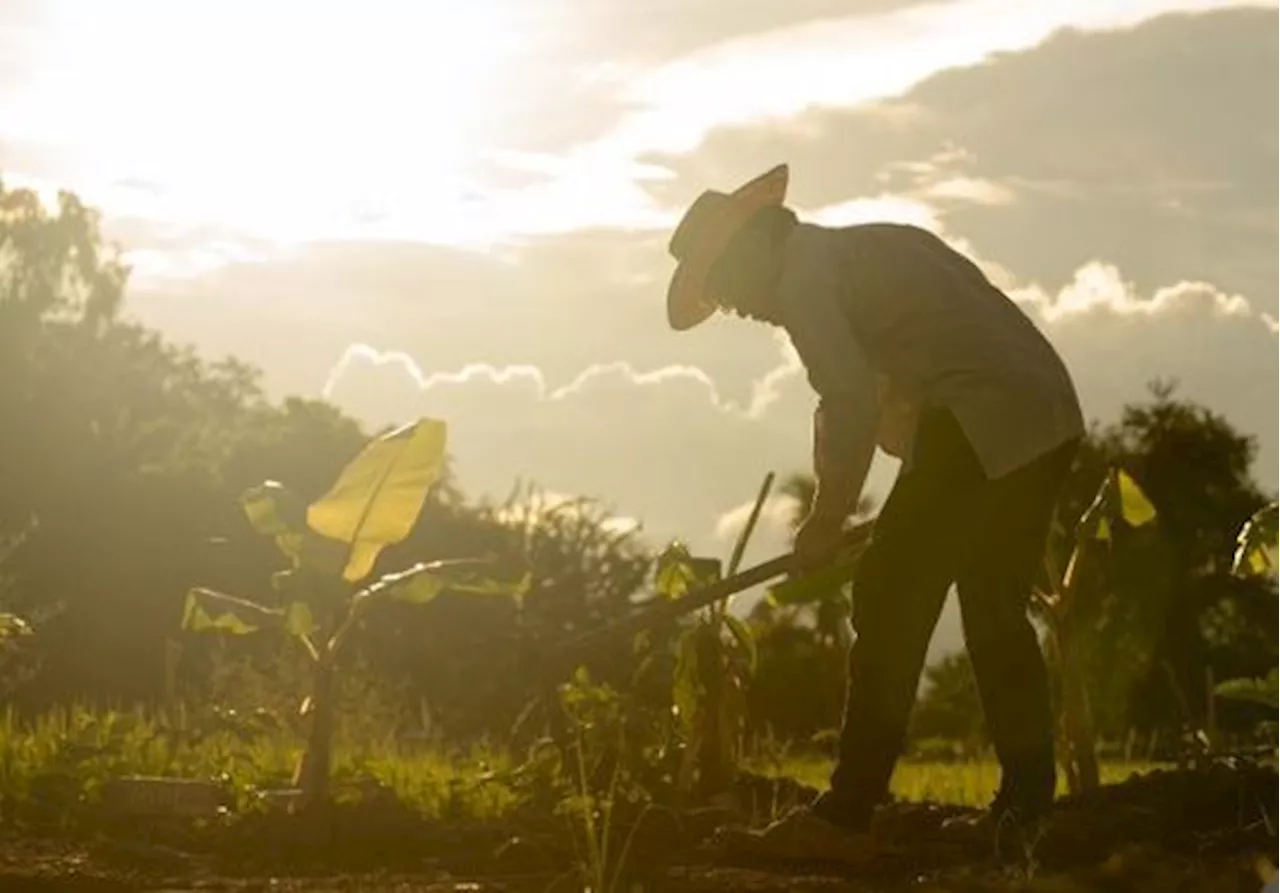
<point>764,390</point>
<point>970,189</point>
<point>775,514</point>
<point>1098,287</point>
<point>883,208</point>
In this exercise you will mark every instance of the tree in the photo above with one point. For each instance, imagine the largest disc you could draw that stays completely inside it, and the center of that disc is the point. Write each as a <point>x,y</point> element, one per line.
<point>1166,612</point>
<point>949,708</point>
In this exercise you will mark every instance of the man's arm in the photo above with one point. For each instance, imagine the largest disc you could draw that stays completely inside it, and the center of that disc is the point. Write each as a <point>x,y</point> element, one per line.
<point>844,441</point>
<point>845,421</point>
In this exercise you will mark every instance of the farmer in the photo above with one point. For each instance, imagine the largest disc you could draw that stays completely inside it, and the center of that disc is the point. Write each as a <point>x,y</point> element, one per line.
<point>908,345</point>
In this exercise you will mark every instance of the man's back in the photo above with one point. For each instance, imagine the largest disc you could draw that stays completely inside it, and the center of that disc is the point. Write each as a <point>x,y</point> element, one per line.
<point>932,322</point>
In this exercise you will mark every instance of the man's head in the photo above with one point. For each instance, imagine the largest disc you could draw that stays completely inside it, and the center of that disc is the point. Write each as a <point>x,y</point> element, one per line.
<point>729,248</point>
<point>744,278</point>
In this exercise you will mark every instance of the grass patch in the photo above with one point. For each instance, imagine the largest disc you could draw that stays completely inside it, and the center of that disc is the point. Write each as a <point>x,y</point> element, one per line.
<point>964,783</point>
<point>54,765</point>
<point>60,761</point>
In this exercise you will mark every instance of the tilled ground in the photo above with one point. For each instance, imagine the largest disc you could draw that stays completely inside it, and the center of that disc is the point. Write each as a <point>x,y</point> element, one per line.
<point>1168,831</point>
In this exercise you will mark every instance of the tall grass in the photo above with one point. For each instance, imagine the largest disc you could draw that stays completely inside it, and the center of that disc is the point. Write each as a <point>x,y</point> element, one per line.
<point>60,761</point>
<point>63,758</point>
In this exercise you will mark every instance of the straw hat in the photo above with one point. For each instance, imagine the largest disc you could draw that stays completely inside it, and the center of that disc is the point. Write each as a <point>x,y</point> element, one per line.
<point>706,230</point>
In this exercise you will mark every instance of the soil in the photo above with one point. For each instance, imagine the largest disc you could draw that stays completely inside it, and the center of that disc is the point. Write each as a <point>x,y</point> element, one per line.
<point>1211,829</point>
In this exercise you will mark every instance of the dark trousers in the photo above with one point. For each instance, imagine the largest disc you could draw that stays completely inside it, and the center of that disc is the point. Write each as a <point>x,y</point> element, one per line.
<point>945,522</point>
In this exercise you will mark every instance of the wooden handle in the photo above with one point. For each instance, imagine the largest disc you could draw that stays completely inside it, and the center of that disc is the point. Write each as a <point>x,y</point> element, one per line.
<point>654,614</point>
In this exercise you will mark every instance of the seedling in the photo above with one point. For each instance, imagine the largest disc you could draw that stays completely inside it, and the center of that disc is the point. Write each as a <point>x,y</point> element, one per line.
<point>715,658</point>
<point>332,546</point>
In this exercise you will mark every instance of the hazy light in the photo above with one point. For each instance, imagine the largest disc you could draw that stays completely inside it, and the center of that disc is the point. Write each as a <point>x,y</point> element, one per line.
<point>288,118</point>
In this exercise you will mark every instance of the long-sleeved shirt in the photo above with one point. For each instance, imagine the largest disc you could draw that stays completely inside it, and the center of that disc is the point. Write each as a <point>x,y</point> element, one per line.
<point>896,301</point>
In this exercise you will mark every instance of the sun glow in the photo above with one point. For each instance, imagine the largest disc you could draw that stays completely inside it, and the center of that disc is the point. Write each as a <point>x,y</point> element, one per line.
<point>288,118</point>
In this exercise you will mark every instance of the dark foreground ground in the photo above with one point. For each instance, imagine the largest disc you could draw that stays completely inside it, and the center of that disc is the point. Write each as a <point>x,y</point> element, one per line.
<point>1211,830</point>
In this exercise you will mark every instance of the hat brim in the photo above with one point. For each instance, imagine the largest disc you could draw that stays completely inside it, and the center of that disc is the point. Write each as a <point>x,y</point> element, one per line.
<point>688,303</point>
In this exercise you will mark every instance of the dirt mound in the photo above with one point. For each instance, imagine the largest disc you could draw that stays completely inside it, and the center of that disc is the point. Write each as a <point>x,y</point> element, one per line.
<point>1167,830</point>
<point>1220,809</point>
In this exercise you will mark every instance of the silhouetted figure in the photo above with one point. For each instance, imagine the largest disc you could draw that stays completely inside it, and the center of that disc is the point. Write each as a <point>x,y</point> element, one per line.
<point>908,345</point>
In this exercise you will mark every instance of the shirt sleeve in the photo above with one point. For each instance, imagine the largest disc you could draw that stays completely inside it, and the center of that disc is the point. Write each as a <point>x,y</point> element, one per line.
<point>845,421</point>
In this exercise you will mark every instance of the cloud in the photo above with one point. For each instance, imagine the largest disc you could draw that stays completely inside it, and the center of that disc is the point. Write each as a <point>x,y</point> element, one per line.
<point>775,514</point>
<point>1098,287</point>
<point>764,390</point>
<point>536,503</point>
<point>882,208</point>
<point>970,189</point>
<point>845,62</point>
<point>184,263</point>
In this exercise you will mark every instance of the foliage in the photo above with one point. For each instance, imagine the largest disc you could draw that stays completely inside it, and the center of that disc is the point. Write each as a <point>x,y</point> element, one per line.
<point>1162,611</point>
<point>715,657</point>
<point>374,503</point>
<point>1118,503</point>
<point>949,707</point>
<point>1258,691</point>
<point>1255,555</point>
<point>53,767</point>
<point>1255,552</point>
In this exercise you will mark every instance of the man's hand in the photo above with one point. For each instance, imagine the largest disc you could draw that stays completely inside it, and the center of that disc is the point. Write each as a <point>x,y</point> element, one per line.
<point>817,540</point>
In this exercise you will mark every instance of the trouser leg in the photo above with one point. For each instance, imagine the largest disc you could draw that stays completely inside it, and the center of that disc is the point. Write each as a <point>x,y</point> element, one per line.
<point>899,590</point>
<point>995,588</point>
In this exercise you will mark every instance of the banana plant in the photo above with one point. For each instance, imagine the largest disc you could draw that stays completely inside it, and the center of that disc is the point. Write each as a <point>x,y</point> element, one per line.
<point>1256,543</point>
<point>715,658</point>
<point>1255,555</point>
<point>331,546</point>
<point>1119,500</point>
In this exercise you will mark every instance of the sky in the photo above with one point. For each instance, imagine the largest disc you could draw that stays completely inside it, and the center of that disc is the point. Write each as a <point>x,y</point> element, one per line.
<point>461,209</point>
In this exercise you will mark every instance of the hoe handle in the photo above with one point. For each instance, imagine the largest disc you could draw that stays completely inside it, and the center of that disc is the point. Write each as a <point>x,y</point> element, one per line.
<point>656,614</point>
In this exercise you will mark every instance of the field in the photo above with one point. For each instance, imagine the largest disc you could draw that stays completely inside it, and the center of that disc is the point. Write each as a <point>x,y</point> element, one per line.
<point>419,818</point>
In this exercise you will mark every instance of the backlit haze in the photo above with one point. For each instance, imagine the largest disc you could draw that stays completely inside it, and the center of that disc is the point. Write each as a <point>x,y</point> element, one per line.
<point>460,209</point>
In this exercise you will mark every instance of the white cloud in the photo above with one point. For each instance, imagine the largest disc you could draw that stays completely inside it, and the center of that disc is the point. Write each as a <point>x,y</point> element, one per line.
<point>1098,286</point>
<point>186,263</point>
<point>970,189</point>
<point>880,209</point>
<point>775,514</point>
<point>764,390</point>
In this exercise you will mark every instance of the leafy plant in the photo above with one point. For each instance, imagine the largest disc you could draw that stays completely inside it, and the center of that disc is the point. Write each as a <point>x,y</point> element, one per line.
<point>1255,555</point>
<point>1256,543</point>
<point>332,546</point>
<point>1119,500</point>
<point>715,658</point>
<point>1265,691</point>
<point>602,781</point>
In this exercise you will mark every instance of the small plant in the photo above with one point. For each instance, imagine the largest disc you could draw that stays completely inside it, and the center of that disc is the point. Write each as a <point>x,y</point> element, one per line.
<point>1256,543</point>
<point>1119,500</point>
<point>1255,556</point>
<point>715,659</point>
<point>602,783</point>
<point>332,546</point>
